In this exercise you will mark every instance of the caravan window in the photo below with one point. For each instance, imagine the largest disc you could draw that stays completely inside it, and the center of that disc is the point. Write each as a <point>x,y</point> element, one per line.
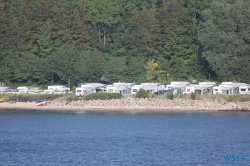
<point>248,89</point>
<point>215,89</point>
<point>188,90</point>
<point>79,91</point>
<point>243,89</point>
<point>135,90</point>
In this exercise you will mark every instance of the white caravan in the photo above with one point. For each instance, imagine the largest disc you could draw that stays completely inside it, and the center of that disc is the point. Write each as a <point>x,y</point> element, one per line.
<point>244,89</point>
<point>201,88</point>
<point>90,88</point>
<point>228,88</point>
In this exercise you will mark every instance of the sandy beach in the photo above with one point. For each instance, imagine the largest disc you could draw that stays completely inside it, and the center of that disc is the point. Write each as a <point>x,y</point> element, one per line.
<point>133,105</point>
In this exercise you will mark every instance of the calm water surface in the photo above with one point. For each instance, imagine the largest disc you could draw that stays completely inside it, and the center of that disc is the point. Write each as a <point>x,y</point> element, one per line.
<point>174,138</point>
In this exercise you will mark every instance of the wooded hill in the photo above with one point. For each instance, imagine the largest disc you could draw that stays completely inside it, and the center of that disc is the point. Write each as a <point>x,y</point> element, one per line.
<point>50,41</point>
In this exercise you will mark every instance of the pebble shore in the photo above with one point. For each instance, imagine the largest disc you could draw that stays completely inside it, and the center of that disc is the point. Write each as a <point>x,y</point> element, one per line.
<point>135,105</point>
<point>153,103</point>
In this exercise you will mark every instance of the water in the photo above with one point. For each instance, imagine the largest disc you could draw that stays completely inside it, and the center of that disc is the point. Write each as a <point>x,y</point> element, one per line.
<point>174,138</point>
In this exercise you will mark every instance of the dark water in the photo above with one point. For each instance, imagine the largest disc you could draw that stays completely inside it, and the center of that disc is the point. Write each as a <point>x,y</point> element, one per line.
<point>175,138</point>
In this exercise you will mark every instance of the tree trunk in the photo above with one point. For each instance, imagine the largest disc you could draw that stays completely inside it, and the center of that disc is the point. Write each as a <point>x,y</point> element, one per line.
<point>104,37</point>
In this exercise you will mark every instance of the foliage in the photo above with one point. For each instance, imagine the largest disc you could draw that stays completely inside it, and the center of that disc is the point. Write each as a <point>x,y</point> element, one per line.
<point>193,95</point>
<point>224,36</point>
<point>142,94</point>
<point>152,72</point>
<point>103,96</point>
<point>66,42</point>
<point>115,69</point>
<point>170,95</point>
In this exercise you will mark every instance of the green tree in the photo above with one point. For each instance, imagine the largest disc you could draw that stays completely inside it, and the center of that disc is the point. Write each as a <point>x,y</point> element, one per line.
<point>44,41</point>
<point>103,14</point>
<point>152,70</point>
<point>136,69</point>
<point>225,38</point>
<point>22,68</point>
<point>89,66</point>
<point>62,64</point>
<point>115,68</point>
<point>144,34</point>
<point>178,46</point>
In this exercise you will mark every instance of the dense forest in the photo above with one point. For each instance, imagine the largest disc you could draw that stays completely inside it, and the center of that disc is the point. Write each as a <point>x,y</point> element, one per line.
<point>51,41</point>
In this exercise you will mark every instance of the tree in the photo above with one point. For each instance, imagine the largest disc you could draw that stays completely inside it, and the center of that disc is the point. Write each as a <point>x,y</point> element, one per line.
<point>144,34</point>
<point>225,38</point>
<point>178,45</point>
<point>44,40</point>
<point>115,68</point>
<point>23,68</point>
<point>89,66</point>
<point>152,71</point>
<point>62,64</point>
<point>103,14</point>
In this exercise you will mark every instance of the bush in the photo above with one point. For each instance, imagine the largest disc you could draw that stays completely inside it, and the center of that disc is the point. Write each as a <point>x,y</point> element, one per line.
<point>142,94</point>
<point>193,95</point>
<point>170,95</point>
<point>103,96</point>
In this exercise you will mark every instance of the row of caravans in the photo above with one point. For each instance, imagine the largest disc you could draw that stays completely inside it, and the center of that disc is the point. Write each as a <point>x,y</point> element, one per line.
<point>120,87</point>
<point>212,88</point>
<point>176,87</point>
<point>132,88</point>
<point>54,89</point>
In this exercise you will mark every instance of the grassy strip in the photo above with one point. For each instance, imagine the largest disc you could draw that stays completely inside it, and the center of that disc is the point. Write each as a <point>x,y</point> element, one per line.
<point>103,96</point>
<point>30,97</point>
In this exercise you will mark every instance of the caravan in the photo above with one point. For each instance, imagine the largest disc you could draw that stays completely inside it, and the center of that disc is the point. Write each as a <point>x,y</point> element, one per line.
<point>90,88</point>
<point>228,88</point>
<point>244,89</point>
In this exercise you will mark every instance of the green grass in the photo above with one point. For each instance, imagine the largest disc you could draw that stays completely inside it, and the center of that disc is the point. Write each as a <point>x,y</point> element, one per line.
<point>104,96</point>
<point>29,97</point>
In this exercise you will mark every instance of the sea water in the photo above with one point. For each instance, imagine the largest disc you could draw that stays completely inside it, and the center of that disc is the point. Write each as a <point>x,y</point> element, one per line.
<point>147,139</point>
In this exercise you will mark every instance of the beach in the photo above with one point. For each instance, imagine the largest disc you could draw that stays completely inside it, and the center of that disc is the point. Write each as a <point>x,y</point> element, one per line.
<point>133,105</point>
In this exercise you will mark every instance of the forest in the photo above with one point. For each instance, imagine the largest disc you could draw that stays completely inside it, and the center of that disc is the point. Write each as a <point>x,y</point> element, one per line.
<point>46,42</point>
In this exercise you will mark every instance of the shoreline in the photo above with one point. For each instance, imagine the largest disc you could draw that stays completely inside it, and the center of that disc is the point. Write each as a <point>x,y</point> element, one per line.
<point>131,105</point>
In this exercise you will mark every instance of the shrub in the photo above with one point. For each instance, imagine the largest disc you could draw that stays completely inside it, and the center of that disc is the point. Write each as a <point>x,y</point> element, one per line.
<point>103,96</point>
<point>193,95</point>
<point>142,94</point>
<point>170,95</point>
